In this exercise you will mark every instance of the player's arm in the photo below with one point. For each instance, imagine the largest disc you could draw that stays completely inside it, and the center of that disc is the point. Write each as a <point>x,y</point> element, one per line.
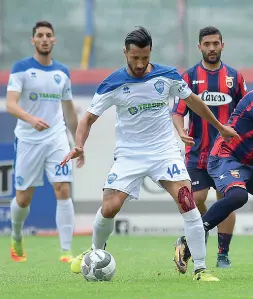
<point>70,116</point>
<point>195,103</point>
<point>180,89</point>
<point>180,109</point>
<point>14,90</point>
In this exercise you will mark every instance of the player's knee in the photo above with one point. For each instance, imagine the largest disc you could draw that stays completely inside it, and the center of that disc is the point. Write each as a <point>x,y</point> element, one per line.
<point>62,190</point>
<point>23,198</point>
<point>112,203</point>
<point>109,211</point>
<point>185,199</point>
<point>238,196</point>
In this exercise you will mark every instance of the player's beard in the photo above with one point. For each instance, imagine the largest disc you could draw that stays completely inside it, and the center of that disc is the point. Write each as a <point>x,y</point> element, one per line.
<point>207,60</point>
<point>44,53</point>
<point>140,74</point>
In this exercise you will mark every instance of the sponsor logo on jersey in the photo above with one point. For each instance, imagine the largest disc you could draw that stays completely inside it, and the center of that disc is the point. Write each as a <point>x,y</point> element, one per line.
<point>33,96</point>
<point>159,86</point>
<point>198,82</point>
<point>215,98</point>
<point>149,106</point>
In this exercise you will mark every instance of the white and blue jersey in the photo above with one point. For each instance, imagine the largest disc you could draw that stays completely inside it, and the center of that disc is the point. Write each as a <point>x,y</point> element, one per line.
<point>143,116</point>
<point>42,88</point>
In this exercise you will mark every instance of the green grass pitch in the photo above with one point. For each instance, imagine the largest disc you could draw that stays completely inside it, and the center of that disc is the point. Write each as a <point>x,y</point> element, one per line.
<point>144,270</point>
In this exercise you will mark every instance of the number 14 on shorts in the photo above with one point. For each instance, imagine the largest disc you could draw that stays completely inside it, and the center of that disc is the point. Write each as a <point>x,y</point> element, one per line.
<point>173,170</point>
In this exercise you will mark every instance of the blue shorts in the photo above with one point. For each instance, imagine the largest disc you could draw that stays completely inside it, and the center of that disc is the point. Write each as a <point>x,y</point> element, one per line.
<point>200,179</point>
<point>228,172</point>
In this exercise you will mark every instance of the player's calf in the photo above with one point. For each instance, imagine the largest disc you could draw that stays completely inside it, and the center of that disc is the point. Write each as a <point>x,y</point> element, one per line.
<point>194,232</point>
<point>235,198</point>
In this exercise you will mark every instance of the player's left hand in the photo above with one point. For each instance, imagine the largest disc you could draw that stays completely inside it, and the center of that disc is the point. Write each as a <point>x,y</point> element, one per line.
<point>77,152</point>
<point>228,132</point>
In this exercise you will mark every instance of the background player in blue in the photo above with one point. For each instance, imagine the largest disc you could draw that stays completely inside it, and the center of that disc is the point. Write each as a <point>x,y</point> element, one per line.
<point>38,92</point>
<point>231,167</point>
<point>145,142</point>
<point>221,88</point>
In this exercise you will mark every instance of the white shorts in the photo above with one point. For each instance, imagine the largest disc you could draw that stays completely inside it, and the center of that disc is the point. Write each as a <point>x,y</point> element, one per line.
<point>127,173</point>
<point>31,160</point>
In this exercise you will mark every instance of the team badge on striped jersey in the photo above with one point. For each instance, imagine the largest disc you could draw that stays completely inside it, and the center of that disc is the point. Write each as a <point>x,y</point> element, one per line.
<point>229,82</point>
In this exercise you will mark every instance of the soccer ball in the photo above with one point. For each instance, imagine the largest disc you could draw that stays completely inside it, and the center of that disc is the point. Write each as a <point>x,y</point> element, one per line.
<point>98,265</point>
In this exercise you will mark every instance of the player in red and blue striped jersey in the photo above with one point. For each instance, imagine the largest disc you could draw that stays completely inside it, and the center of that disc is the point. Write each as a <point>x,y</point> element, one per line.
<point>221,88</point>
<point>230,165</point>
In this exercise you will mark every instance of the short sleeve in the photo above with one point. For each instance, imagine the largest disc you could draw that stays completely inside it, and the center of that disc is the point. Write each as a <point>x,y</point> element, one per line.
<point>101,102</point>
<point>180,88</point>
<point>16,78</point>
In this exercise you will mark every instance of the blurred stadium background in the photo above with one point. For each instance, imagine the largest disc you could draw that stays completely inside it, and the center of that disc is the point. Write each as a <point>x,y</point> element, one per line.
<point>90,36</point>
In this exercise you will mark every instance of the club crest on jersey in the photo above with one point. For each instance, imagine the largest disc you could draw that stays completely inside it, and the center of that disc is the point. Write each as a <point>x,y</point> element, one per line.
<point>57,78</point>
<point>159,86</point>
<point>111,178</point>
<point>229,82</point>
<point>235,174</point>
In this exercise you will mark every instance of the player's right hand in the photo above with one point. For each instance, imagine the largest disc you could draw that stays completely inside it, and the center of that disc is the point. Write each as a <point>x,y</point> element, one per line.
<point>77,152</point>
<point>187,140</point>
<point>39,124</point>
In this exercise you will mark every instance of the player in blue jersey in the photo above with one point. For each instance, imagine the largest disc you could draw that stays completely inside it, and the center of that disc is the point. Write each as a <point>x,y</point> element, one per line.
<point>38,92</point>
<point>221,88</point>
<point>145,142</point>
<point>231,167</point>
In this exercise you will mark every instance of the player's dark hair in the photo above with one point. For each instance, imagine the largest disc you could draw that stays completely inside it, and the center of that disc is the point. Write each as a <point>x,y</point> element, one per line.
<point>139,37</point>
<point>210,30</point>
<point>42,24</point>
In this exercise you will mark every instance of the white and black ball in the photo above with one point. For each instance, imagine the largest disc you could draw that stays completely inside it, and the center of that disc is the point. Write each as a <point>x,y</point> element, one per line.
<point>98,265</point>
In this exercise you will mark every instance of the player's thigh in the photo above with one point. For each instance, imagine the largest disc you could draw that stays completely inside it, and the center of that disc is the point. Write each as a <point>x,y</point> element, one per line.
<point>227,173</point>
<point>171,168</point>
<point>58,149</point>
<point>171,174</point>
<point>29,164</point>
<point>127,175</point>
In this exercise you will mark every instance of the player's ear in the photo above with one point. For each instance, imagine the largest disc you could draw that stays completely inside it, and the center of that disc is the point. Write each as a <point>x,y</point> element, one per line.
<point>199,46</point>
<point>125,52</point>
<point>54,40</point>
<point>222,46</point>
<point>32,41</point>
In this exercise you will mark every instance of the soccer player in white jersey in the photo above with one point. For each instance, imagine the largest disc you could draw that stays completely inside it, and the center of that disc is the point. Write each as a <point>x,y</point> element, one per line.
<point>145,143</point>
<point>38,92</point>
